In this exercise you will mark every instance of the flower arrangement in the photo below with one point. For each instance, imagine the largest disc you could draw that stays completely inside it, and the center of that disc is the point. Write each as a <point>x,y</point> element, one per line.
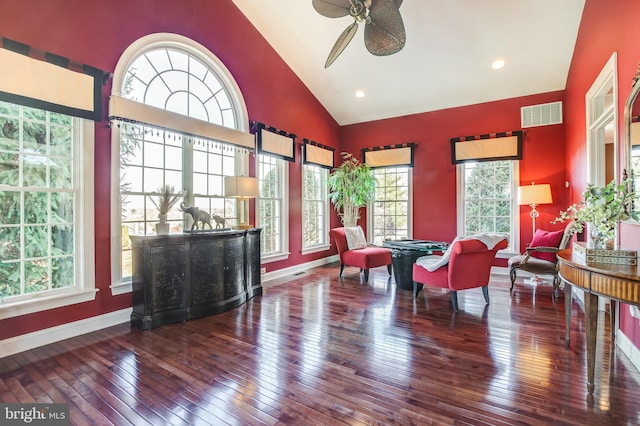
<point>603,207</point>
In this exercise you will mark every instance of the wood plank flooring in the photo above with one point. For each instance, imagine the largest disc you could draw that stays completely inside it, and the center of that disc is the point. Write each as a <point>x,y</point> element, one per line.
<point>316,349</point>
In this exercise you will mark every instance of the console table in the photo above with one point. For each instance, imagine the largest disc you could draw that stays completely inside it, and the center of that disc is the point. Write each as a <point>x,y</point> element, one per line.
<point>178,277</point>
<point>620,283</point>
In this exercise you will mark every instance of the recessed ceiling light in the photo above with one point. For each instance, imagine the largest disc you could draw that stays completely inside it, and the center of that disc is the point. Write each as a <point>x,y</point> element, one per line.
<point>497,64</point>
<point>359,94</point>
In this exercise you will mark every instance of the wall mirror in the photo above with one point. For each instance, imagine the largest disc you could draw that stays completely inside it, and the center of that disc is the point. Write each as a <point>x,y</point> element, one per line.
<point>632,142</point>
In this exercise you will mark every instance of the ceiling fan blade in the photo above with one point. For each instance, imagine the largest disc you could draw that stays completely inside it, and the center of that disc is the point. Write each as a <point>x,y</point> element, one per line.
<point>332,8</point>
<point>384,34</point>
<point>341,43</point>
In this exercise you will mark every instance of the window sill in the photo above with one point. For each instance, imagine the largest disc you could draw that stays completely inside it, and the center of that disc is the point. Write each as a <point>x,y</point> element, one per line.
<point>315,249</point>
<point>274,257</point>
<point>44,303</point>
<point>121,288</point>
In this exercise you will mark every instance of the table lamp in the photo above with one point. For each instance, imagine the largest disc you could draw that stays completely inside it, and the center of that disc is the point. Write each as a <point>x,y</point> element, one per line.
<point>242,188</point>
<point>534,195</point>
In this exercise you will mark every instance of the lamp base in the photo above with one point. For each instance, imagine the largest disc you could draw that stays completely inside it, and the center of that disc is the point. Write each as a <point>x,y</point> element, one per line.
<point>243,226</point>
<point>535,280</point>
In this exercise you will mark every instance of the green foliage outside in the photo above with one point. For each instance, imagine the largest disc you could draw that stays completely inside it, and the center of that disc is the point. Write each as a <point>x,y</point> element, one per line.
<point>37,204</point>
<point>391,205</point>
<point>488,197</point>
<point>312,205</point>
<point>269,213</point>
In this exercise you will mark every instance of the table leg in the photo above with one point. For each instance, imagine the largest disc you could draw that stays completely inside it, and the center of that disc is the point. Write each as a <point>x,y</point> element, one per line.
<point>591,316</point>
<point>568,298</point>
<point>613,307</point>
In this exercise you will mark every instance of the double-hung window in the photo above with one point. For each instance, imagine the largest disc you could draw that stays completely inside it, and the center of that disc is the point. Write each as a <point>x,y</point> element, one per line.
<point>273,209</point>
<point>487,199</point>
<point>390,215</point>
<point>46,209</point>
<point>315,209</point>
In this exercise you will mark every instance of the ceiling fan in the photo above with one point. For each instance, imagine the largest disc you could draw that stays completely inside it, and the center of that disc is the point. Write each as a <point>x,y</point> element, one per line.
<point>383,32</point>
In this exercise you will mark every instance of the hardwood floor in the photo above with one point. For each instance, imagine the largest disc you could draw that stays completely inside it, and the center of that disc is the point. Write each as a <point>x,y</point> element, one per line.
<point>317,349</point>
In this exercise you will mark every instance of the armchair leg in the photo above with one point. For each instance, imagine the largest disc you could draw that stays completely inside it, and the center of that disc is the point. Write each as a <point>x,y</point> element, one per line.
<point>556,287</point>
<point>341,269</point>
<point>485,293</point>
<point>389,269</point>
<point>454,300</point>
<point>366,275</point>
<point>416,289</point>
<point>512,275</point>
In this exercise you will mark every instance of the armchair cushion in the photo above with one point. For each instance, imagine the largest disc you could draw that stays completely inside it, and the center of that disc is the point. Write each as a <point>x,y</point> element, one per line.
<point>355,237</point>
<point>546,239</point>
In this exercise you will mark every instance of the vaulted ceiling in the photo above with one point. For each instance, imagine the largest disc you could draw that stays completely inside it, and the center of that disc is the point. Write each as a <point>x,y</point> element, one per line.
<point>445,63</point>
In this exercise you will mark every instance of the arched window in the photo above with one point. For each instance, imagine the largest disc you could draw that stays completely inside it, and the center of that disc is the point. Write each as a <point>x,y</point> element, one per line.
<point>177,75</point>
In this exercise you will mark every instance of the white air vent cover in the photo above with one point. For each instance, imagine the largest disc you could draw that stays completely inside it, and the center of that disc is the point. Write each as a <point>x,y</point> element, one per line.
<point>541,115</point>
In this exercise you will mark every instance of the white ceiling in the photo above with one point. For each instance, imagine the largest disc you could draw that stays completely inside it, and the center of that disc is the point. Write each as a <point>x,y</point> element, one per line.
<point>445,63</point>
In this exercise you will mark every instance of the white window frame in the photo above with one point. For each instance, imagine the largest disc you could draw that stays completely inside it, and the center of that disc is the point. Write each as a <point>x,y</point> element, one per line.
<point>84,242</point>
<point>514,239</point>
<point>370,206</point>
<point>120,284</point>
<point>282,167</point>
<point>323,222</point>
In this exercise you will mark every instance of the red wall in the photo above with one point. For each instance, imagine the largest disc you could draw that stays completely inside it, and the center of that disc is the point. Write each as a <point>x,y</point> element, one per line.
<point>97,33</point>
<point>606,27</point>
<point>434,176</point>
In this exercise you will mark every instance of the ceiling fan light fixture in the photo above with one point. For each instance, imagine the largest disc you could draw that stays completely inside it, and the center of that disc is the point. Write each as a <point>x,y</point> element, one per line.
<point>384,32</point>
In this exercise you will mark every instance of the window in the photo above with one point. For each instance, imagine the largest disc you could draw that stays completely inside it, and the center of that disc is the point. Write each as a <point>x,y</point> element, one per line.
<point>487,200</point>
<point>273,209</point>
<point>46,209</point>
<point>315,209</point>
<point>391,207</point>
<point>175,74</point>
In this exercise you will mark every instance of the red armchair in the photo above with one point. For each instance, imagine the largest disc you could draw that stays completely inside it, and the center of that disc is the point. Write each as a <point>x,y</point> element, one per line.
<point>363,258</point>
<point>469,266</point>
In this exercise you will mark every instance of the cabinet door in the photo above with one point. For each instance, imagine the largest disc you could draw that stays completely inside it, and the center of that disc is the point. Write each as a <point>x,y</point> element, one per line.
<point>252,260</point>
<point>234,267</point>
<point>206,260</point>
<point>167,278</point>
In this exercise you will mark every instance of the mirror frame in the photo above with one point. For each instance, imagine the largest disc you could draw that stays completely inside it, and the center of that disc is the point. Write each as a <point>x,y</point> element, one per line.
<point>628,108</point>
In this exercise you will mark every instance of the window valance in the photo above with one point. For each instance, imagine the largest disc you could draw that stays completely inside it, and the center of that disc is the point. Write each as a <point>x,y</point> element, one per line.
<point>317,154</point>
<point>128,111</point>
<point>389,155</point>
<point>274,142</point>
<point>487,147</point>
<point>43,80</point>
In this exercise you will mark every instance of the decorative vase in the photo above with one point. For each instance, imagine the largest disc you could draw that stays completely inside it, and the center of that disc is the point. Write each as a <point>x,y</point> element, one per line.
<point>599,240</point>
<point>162,227</point>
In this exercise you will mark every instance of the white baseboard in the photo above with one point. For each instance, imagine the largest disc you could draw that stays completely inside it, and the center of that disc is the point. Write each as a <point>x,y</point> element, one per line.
<point>25,342</point>
<point>628,348</point>
<point>281,273</point>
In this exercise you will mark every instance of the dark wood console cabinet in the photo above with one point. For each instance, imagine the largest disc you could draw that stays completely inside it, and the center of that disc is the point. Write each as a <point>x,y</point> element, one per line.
<point>178,277</point>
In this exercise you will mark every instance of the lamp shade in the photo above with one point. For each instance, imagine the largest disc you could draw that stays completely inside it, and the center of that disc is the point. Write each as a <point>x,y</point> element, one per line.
<point>535,194</point>
<point>241,187</point>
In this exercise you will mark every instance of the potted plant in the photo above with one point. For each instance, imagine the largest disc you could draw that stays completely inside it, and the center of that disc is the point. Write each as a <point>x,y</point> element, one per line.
<point>603,208</point>
<point>351,186</point>
<point>165,199</point>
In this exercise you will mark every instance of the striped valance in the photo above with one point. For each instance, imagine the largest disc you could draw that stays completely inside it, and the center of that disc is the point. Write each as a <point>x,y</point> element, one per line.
<point>275,142</point>
<point>389,155</point>
<point>46,81</point>
<point>317,154</point>
<point>487,147</point>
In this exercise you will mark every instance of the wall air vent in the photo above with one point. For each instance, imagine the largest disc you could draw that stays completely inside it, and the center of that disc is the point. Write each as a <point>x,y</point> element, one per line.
<point>541,115</point>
